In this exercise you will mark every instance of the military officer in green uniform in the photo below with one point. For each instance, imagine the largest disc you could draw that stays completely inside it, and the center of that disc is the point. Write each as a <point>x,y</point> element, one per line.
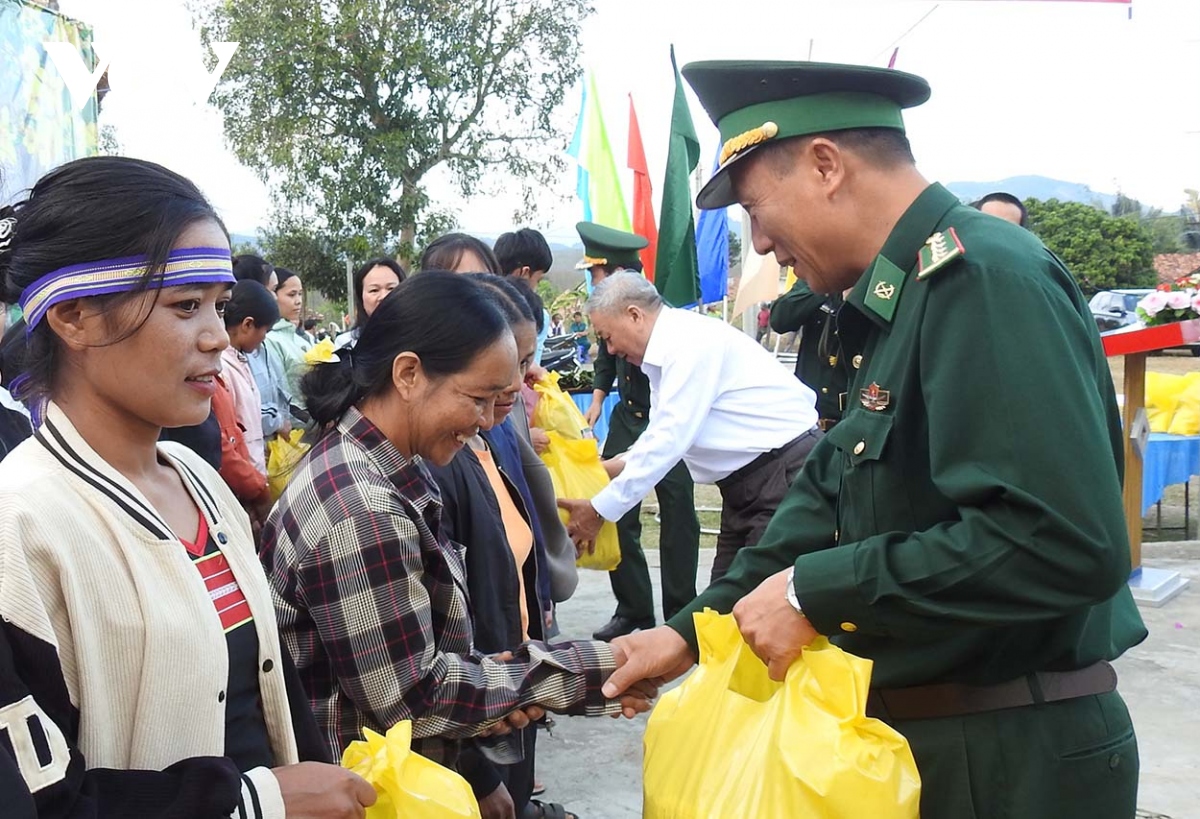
<point>607,250</point>
<point>819,363</point>
<point>962,525</point>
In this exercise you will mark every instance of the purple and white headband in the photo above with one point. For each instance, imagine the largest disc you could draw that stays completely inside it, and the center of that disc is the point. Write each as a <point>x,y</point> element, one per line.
<point>192,265</point>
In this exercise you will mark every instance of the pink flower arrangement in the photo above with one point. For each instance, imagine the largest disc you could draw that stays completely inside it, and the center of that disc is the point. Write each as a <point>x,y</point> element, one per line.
<point>1171,302</point>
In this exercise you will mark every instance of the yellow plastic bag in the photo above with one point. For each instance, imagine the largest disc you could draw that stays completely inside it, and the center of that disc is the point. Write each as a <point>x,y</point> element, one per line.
<point>282,457</point>
<point>575,469</point>
<point>730,743</point>
<point>1162,397</point>
<point>1186,420</point>
<point>555,411</point>
<point>1173,403</point>
<point>408,785</point>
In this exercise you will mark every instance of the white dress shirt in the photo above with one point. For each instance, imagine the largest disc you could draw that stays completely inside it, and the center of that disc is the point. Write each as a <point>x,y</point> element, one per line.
<point>717,401</point>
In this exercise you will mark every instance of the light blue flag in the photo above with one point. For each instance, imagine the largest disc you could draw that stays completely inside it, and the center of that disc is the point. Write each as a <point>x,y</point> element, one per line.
<point>582,183</point>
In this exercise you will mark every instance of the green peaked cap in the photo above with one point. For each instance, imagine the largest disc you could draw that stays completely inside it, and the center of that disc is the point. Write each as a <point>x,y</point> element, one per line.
<point>754,102</point>
<point>605,245</point>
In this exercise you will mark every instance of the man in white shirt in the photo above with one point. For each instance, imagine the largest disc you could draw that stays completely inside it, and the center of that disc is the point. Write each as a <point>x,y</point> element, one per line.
<point>719,402</point>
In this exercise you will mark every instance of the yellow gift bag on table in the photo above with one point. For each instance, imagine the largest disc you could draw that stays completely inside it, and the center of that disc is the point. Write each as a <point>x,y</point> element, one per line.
<point>282,456</point>
<point>575,469</point>
<point>408,785</point>
<point>730,743</point>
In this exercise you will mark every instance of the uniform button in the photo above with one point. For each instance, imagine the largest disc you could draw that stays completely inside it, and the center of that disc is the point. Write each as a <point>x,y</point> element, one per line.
<point>857,361</point>
<point>837,534</point>
<point>849,628</point>
<point>1114,761</point>
<point>221,538</point>
<point>221,696</point>
<point>860,447</point>
<point>268,665</point>
<point>825,390</point>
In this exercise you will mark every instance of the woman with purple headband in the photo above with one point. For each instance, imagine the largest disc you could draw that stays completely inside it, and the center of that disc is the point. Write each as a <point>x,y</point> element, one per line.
<point>141,672</point>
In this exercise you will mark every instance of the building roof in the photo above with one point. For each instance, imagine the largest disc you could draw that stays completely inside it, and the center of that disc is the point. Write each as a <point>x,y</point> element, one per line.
<point>1173,266</point>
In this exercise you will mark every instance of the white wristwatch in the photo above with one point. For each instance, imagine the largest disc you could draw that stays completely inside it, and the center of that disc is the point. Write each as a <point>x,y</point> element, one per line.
<point>793,601</point>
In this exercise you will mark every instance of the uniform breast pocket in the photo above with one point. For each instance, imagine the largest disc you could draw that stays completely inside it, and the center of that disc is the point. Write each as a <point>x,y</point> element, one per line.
<point>862,438</point>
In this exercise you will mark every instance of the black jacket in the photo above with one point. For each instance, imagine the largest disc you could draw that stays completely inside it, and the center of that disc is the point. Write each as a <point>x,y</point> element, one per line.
<point>471,518</point>
<point>36,784</point>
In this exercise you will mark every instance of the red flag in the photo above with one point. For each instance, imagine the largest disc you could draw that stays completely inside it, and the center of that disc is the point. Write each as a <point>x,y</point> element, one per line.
<point>643,207</point>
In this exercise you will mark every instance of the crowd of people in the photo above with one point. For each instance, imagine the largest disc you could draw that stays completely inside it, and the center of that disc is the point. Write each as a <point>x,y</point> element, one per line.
<point>175,640</point>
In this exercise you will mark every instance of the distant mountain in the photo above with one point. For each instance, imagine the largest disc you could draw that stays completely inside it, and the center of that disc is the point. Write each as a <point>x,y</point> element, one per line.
<point>238,239</point>
<point>1037,187</point>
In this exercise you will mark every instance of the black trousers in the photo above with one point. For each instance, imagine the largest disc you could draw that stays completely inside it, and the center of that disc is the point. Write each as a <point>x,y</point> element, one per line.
<point>750,496</point>
<point>678,539</point>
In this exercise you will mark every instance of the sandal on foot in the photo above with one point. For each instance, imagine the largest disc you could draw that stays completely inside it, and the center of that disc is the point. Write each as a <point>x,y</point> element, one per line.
<point>546,810</point>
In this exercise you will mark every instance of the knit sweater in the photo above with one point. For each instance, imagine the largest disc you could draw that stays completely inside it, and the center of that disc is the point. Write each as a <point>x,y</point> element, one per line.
<point>100,599</point>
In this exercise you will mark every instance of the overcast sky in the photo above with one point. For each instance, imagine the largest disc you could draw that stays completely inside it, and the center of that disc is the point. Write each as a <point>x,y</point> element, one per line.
<point>1071,90</point>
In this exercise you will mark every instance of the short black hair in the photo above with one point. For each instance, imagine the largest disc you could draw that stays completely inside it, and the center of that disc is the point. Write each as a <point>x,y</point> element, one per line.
<point>882,147</point>
<point>523,248</point>
<point>445,252</point>
<point>255,268</point>
<point>1006,198</point>
<point>251,300</point>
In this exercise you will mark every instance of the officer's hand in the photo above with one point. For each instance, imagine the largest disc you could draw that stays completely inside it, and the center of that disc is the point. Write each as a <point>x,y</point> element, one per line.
<point>655,656</point>
<point>773,629</point>
<point>593,412</point>
<point>584,523</point>
<point>314,790</point>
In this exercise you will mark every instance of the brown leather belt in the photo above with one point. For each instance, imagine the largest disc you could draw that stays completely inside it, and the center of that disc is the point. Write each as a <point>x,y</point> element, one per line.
<point>957,699</point>
<point>826,424</point>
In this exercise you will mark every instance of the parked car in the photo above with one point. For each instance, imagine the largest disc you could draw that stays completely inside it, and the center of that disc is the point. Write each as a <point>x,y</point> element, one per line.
<point>1114,309</point>
<point>1117,310</point>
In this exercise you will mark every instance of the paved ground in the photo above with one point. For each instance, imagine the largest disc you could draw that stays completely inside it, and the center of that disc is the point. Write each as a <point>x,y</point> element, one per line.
<point>594,766</point>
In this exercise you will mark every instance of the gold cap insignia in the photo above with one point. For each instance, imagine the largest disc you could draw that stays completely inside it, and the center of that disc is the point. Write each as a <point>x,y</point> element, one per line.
<point>748,139</point>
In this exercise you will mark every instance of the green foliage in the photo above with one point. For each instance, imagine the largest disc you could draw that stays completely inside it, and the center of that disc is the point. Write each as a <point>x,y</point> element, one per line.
<point>316,258</point>
<point>348,104</point>
<point>735,248</point>
<point>1102,251</point>
<point>547,291</point>
<point>1166,230</point>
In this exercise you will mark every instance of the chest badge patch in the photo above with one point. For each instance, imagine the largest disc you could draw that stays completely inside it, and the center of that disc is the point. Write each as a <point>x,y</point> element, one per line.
<point>874,398</point>
<point>940,249</point>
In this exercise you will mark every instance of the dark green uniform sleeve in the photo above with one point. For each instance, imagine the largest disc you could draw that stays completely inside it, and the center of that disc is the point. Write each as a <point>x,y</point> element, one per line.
<point>1036,535</point>
<point>604,370</point>
<point>805,522</point>
<point>796,306</point>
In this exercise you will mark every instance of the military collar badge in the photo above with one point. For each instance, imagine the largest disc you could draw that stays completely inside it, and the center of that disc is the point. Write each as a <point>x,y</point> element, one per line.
<point>939,250</point>
<point>874,398</point>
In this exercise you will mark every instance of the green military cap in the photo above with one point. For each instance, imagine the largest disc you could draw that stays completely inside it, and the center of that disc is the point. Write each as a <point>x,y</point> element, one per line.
<point>753,102</point>
<point>605,245</point>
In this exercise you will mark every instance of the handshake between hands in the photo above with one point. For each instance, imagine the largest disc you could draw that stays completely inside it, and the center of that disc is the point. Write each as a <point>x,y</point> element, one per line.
<point>646,660</point>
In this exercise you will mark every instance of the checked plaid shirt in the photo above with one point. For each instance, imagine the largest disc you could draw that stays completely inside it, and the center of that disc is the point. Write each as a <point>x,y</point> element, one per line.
<point>372,604</point>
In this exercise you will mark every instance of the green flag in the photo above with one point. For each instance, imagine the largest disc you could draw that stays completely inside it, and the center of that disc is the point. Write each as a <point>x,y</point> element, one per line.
<point>676,271</point>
